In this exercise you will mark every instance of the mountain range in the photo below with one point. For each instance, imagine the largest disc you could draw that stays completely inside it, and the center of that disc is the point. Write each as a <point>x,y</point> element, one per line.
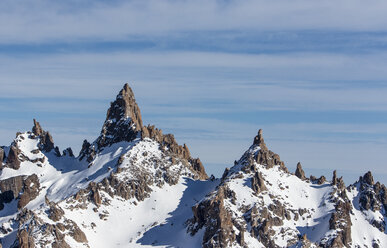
<point>136,187</point>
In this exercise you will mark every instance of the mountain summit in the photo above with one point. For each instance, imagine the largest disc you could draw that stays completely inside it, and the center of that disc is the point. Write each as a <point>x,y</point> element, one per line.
<point>137,187</point>
<point>123,119</point>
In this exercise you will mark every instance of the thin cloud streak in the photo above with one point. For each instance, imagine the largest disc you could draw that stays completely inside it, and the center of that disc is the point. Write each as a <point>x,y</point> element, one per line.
<point>40,21</point>
<point>182,81</point>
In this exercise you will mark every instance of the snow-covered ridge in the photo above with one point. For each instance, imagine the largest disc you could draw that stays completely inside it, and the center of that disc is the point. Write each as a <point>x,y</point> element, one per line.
<point>260,204</point>
<point>137,187</point>
<point>128,164</point>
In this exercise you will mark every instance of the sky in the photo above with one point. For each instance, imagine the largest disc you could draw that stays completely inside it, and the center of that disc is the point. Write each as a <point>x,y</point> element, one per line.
<point>311,74</point>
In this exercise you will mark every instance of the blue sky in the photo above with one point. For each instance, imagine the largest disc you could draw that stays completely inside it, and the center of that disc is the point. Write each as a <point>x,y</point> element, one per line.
<point>312,74</point>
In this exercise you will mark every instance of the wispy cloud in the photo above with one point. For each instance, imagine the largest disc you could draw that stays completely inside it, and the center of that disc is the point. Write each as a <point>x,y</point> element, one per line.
<point>185,81</point>
<point>38,21</point>
<point>312,74</point>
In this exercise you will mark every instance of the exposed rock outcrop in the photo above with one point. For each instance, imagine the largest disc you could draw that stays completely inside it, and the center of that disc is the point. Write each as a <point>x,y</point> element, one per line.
<point>55,212</point>
<point>340,220</point>
<point>95,194</point>
<point>257,183</point>
<point>37,129</point>
<point>334,178</point>
<point>265,156</point>
<point>367,178</point>
<point>35,232</point>
<point>87,151</point>
<point>321,180</point>
<point>24,188</point>
<point>217,221</point>
<point>46,142</point>
<point>13,160</point>
<point>300,172</point>
<point>123,120</point>
<point>170,145</point>
<point>1,156</point>
<point>10,189</point>
<point>25,240</point>
<point>30,190</point>
<point>373,197</point>
<point>68,152</point>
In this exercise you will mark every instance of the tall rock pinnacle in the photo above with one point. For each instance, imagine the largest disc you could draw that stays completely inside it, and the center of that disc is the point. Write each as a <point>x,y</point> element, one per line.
<point>300,172</point>
<point>37,129</point>
<point>123,120</point>
<point>265,156</point>
<point>46,142</point>
<point>258,140</point>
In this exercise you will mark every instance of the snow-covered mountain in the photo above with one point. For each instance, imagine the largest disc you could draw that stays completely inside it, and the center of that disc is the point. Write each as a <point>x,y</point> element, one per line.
<point>136,187</point>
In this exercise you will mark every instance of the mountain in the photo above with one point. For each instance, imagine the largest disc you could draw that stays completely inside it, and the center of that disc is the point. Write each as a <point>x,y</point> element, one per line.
<point>137,187</point>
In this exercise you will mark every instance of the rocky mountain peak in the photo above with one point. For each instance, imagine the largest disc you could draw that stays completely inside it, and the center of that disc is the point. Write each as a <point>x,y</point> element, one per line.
<point>125,106</point>
<point>367,178</point>
<point>145,185</point>
<point>123,119</point>
<point>46,141</point>
<point>265,156</point>
<point>259,141</point>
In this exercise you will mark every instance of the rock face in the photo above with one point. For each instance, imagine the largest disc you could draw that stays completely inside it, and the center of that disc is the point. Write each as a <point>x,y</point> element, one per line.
<point>300,172</point>
<point>13,160</point>
<point>37,129</point>
<point>10,189</point>
<point>87,151</point>
<point>1,156</point>
<point>49,234</point>
<point>217,221</point>
<point>25,240</point>
<point>255,205</point>
<point>257,183</point>
<point>46,142</point>
<point>24,188</point>
<point>214,214</point>
<point>123,120</point>
<point>264,155</point>
<point>373,197</point>
<point>259,141</point>
<point>169,144</point>
<point>30,190</point>
<point>340,220</point>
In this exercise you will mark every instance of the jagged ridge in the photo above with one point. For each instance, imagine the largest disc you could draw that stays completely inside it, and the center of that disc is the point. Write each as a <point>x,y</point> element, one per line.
<point>141,181</point>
